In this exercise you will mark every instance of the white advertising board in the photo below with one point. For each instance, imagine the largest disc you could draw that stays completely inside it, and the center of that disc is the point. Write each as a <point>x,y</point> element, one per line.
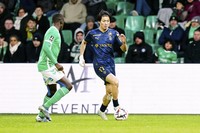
<point>143,89</point>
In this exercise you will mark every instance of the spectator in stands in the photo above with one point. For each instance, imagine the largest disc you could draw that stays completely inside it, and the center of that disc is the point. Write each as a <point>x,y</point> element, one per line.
<point>4,14</point>
<point>170,8</point>
<point>3,47</point>
<point>16,51</point>
<point>59,4</point>
<point>33,49</point>
<point>9,29</point>
<point>89,24</point>
<point>166,53</point>
<point>48,6</point>
<point>42,22</point>
<point>10,5</point>
<point>75,46</point>
<point>31,28</point>
<point>192,9</point>
<point>74,13</point>
<point>117,50</point>
<point>113,25</point>
<point>94,7</point>
<point>192,54</point>
<point>189,32</point>
<point>146,7</point>
<point>29,5</point>
<point>173,32</point>
<point>178,11</point>
<point>22,19</point>
<point>140,51</point>
<point>154,5</point>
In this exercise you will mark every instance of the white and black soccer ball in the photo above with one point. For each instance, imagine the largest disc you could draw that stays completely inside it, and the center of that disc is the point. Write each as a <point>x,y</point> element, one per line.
<point>121,114</point>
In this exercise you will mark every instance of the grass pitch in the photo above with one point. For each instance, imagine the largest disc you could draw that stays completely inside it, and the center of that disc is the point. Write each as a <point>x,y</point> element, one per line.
<point>25,123</point>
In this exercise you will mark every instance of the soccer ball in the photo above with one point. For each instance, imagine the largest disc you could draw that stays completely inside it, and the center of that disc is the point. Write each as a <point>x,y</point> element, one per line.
<point>121,114</point>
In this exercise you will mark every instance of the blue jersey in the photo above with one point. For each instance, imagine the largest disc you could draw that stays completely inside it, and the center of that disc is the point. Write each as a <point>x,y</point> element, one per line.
<point>102,44</point>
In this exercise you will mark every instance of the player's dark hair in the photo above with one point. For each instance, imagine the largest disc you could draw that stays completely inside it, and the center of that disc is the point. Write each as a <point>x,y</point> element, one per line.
<point>103,13</point>
<point>57,18</point>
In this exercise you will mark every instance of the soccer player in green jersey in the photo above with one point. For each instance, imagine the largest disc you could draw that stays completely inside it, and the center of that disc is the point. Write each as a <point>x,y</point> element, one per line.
<point>51,70</point>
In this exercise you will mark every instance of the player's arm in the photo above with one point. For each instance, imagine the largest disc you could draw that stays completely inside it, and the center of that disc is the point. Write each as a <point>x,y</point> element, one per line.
<point>124,46</point>
<point>47,44</point>
<point>82,50</point>
<point>47,50</point>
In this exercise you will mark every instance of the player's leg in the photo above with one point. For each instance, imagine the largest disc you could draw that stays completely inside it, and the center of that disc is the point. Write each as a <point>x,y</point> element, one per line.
<point>114,83</point>
<point>51,91</point>
<point>65,87</point>
<point>106,100</point>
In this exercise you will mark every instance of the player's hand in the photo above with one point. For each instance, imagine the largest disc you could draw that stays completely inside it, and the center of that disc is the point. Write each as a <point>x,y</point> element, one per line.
<point>59,67</point>
<point>122,38</point>
<point>81,61</point>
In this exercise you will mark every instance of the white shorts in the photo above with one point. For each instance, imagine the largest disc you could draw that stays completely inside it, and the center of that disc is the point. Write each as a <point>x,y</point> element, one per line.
<point>52,75</point>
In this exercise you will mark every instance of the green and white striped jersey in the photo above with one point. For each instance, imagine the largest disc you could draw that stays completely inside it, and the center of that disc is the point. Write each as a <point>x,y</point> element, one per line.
<point>166,56</point>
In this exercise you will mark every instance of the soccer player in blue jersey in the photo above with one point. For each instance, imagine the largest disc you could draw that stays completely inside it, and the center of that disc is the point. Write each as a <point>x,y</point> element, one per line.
<point>102,41</point>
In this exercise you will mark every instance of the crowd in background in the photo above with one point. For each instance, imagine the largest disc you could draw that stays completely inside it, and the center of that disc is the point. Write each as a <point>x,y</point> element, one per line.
<point>23,24</point>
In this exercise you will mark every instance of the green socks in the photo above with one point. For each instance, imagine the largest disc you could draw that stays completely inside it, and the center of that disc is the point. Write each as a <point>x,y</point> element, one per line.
<point>46,98</point>
<point>56,97</point>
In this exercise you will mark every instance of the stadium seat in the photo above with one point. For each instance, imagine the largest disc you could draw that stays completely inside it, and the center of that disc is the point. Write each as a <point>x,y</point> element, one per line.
<point>119,60</point>
<point>129,36</point>
<point>158,33</point>
<point>112,1</point>
<point>151,22</point>
<point>111,5</point>
<point>154,47</point>
<point>134,23</point>
<point>120,20</point>
<point>67,35</point>
<point>124,7</point>
<point>149,36</point>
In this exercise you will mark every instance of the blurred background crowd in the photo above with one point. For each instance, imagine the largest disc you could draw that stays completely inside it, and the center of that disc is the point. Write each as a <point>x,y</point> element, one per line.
<point>157,31</point>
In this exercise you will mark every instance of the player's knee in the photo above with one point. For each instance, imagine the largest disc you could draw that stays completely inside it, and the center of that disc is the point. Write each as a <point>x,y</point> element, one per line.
<point>116,83</point>
<point>66,85</point>
<point>70,87</point>
<point>109,96</point>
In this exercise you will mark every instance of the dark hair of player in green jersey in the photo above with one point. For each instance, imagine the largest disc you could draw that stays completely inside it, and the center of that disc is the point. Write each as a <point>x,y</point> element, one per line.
<point>103,13</point>
<point>58,18</point>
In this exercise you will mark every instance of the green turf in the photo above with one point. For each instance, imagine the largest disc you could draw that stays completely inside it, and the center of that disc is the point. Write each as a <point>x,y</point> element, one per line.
<point>93,124</point>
